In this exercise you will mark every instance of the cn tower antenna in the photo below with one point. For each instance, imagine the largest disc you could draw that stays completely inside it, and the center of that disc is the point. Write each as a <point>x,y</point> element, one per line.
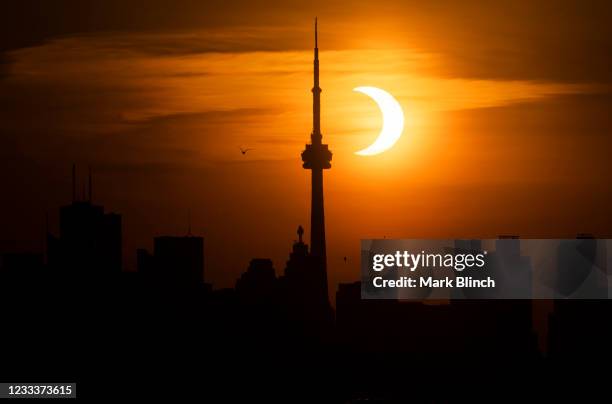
<point>316,39</point>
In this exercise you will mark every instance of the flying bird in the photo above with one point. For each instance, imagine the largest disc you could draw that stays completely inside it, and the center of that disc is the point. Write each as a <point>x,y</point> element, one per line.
<point>244,151</point>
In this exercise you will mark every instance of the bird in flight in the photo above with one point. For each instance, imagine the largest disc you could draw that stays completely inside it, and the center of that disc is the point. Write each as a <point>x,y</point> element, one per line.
<point>244,151</point>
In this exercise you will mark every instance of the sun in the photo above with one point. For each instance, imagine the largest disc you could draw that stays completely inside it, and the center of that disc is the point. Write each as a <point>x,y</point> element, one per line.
<point>393,120</point>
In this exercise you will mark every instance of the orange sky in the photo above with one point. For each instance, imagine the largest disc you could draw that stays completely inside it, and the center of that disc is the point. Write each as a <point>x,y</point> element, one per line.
<point>489,148</point>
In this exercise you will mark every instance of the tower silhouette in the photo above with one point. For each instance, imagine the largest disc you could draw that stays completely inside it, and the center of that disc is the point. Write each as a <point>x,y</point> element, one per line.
<point>317,157</point>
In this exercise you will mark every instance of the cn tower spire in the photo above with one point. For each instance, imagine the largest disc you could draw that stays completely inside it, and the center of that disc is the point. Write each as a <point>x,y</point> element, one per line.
<point>316,95</point>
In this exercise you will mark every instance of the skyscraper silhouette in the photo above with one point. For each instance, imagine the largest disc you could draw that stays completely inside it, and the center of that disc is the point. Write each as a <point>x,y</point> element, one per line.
<point>317,157</point>
<point>90,240</point>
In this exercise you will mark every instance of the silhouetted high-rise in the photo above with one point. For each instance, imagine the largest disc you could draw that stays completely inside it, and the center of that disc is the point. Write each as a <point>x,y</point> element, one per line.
<point>317,157</point>
<point>180,259</point>
<point>258,283</point>
<point>89,241</point>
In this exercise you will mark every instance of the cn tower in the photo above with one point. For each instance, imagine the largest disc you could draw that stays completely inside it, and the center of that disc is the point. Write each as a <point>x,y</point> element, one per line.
<point>317,157</point>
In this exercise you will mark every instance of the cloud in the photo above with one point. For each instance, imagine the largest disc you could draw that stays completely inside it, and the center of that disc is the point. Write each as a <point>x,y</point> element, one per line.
<point>565,41</point>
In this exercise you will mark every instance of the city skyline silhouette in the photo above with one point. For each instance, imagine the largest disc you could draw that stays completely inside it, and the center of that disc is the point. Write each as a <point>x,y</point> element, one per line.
<point>159,116</point>
<point>198,243</point>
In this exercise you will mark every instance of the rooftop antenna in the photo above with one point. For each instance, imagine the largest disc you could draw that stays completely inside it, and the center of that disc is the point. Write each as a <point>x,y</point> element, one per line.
<point>189,223</point>
<point>74,191</point>
<point>90,183</point>
<point>46,238</point>
<point>316,93</point>
<point>316,33</point>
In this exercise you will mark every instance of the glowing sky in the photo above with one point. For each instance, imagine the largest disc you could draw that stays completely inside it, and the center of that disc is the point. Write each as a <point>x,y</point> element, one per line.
<point>506,132</point>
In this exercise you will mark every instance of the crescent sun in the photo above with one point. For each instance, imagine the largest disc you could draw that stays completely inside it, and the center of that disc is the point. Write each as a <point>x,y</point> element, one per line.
<point>392,117</point>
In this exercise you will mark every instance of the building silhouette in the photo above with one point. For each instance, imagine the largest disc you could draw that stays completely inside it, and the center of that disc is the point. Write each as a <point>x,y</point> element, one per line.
<point>89,241</point>
<point>176,260</point>
<point>478,327</point>
<point>579,327</point>
<point>302,292</point>
<point>258,284</point>
<point>22,265</point>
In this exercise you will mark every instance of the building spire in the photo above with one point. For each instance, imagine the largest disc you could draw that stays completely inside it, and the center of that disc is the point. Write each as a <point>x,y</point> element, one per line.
<point>316,94</point>
<point>316,42</point>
